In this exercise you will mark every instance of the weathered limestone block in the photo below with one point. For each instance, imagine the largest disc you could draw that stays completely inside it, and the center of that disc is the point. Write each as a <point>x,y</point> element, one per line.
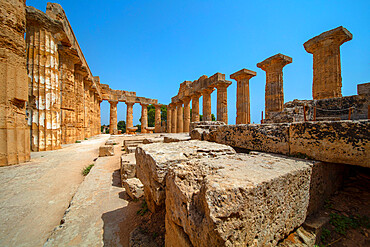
<point>327,78</point>
<point>346,142</point>
<point>153,140</point>
<point>363,89</point>
<point>134,188</point>
<point>152,165</point>
<point>202,124</point>
<point>106,150</point>
<point>272,138</point>
<point>14,132</point>
<point>231,199</point>
<point>176,138</point>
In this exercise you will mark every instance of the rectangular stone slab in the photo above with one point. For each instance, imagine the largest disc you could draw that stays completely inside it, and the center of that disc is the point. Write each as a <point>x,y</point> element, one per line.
<point>272,138</point>
<point>346,142</point>
<point>236,200</point>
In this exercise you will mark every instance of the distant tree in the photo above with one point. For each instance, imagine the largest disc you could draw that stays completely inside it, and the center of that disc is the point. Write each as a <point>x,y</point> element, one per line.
<point>151,115</point>
<point>138,127</point>
<point>121,125</point>
<point>213,117</point>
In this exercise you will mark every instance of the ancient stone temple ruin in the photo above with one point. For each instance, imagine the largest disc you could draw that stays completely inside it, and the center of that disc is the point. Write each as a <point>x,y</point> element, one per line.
<point>204,182</point>
<point>50,94</point>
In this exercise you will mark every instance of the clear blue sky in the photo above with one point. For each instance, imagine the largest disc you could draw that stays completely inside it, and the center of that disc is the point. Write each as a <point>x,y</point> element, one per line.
<point>152,46</point>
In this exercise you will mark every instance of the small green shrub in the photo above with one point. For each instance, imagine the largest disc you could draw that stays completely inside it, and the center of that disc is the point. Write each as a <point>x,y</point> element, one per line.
<point>87,169</point>
<point>342,223</point>
<point>85,138</point>
<point>325,235</point>
<point>143,210</point>
<point>78,141</point>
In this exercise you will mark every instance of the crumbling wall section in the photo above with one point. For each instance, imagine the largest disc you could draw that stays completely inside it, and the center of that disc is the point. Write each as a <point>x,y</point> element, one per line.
<point>14,132</point>
<point>346,142</point>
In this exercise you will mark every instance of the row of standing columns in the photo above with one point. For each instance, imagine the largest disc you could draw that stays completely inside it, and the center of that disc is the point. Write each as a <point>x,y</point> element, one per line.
<point>178,114</point>
<point>129,117</point>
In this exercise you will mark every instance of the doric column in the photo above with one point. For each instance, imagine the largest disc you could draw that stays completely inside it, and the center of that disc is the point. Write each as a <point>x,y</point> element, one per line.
<point>44,91</point>
<point>180,117</point>
<point>99,116</point>
<point>174,119</point>
<point>91,111</point>
<point>80,73</point>
<point>242,77</point>
<point>129,115</point>
<point>186,101</point>
<point>207,114</point>
<point>222,101</point>
<point>144,117</point>
<point>14,132</point>
<point>327,78</point>
<point>195,107</point>
<point>67,60</point>
<point>169,118</point>
<point>274,92</point>
<point>157,118</point>
<point>113,118</point>
<point>87,106</point>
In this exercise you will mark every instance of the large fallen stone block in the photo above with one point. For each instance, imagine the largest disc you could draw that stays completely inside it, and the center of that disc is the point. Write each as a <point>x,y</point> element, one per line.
<point>128,169</point>
<point>345,142</point>
<point>272,138</point>
<point>176,138</point>
<point>235,200</point>
<point>153,161</point>
<point>106,150</point>
<point>134,188</point>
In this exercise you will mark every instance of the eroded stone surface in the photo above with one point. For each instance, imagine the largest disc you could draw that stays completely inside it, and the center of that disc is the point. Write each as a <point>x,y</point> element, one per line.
<point>231,198</point>
<point>152,165</point>
<point>345,142</point>
<point>134,188</point>
<point>106,150</point>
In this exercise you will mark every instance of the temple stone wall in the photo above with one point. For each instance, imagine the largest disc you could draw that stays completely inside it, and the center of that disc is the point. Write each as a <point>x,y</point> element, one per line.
<point>14,132</point>
<point>345,142</point>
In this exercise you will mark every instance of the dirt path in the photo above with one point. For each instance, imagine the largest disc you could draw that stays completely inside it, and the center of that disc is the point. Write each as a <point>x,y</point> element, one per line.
<point>35,195</point>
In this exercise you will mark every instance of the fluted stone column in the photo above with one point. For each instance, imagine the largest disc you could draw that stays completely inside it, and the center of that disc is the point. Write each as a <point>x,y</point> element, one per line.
<point>327,78</point>
<point>91,111</point>
<point>113,118</point>
<point>274,92</point>
<point>80,101</point>
<point>87,106</point>
<point>242,96</point>
<point>44,92</point>
<point>144,118</point>
<point>180,117</point>
<point>222,101</point>
<point>67,61</point>
<point>186,101</point>
<point>174,119</point>
<point>14,132</point>
<point>207,111</point>
<point>157,118</point>
<point>195,107</point>
<point>169,118</point>
<point>99,116</point>
<point>129,115</point>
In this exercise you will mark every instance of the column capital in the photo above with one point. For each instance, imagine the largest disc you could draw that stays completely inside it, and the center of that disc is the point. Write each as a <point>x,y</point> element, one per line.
<point>144,104</point>
<point>130,103</point>
<point>223,84</point>
<point>243,74</point>
<point>277,61</point>
<point>186,99</point>
<point>208,90</point>
<point>157,105</point>
<point>334,37</point>
<point>113,102</point>
<point>195,95</point>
